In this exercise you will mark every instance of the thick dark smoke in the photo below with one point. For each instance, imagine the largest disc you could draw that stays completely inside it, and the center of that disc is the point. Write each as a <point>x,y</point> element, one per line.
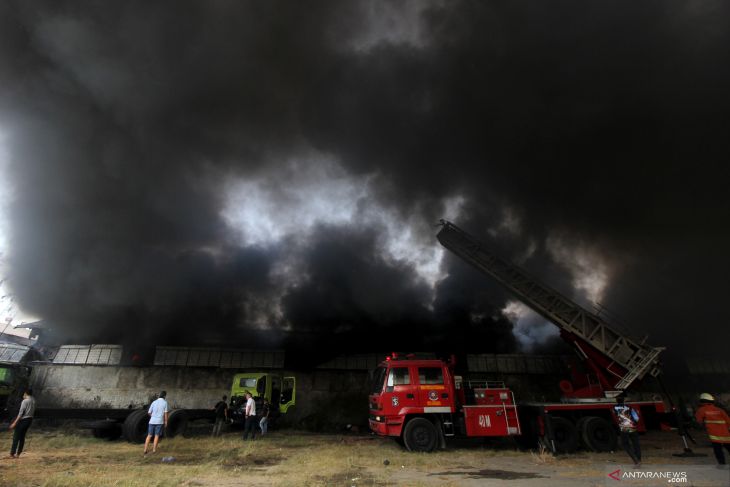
<point>213,172</point>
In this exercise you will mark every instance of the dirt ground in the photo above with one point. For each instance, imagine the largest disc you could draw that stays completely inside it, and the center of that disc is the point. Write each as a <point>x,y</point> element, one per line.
<point>69,457</point>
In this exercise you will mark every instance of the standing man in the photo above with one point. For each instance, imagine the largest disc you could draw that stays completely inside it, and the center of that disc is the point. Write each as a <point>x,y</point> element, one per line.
<point>717,424</point>
<point>250,417</point>
<point>158,413</point>
<point>264,423</point>
<point>22,423</point>
<point>628,421</point>
<point>221,416</point>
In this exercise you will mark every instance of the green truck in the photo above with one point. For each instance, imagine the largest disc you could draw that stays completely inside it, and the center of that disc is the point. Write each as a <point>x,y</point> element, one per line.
<point>131,422</point>
<point>279,391</point>
<point>13,379</point>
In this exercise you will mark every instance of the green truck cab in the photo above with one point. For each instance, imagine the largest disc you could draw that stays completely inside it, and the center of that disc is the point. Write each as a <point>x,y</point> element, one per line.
<point>279,391</point>
<point>6,385</point>
<point>13,380</point>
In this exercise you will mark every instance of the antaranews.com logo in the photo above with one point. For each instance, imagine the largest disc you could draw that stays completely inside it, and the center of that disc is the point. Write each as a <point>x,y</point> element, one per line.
<point>663,475</point>
<point>672,477</point>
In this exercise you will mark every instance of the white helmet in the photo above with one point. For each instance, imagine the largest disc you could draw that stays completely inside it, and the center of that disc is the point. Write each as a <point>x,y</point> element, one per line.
<point>706,397</point>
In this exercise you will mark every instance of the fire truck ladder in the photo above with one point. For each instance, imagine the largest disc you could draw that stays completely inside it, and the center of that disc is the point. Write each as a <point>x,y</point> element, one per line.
<point>636,358</point>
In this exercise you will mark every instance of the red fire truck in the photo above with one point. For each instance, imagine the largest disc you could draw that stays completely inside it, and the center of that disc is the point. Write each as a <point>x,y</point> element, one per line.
<point>421,401</point>
<point>613,362</point>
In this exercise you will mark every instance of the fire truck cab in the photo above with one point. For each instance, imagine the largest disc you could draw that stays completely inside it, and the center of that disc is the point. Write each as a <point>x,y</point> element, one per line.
<point>420,402</point>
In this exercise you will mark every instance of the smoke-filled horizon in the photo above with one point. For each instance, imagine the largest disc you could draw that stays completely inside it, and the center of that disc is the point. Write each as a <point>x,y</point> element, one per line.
<point>209,172</point>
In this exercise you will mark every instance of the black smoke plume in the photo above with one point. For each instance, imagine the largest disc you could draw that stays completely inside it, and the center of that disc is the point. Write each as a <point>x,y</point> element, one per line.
<point>126,125</point>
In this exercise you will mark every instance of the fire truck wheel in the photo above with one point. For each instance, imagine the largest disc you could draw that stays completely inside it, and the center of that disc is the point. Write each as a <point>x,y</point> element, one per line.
<point>420,434</point>
<point>580,426</point>
<point>598,434</point>
<point>566,435</point>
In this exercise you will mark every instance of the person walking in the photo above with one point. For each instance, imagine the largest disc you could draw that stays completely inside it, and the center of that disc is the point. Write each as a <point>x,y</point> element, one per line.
<point>628,421</point>
<point>221,416</point>
<point>22,423</point>
<point>250,414</point>
<point>158,413</point>
<point>264,423</point>
<point>717,424</point>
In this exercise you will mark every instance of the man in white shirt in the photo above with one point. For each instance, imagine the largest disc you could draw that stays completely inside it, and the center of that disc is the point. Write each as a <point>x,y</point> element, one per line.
<point>250,417</point>
<point>158,413</point>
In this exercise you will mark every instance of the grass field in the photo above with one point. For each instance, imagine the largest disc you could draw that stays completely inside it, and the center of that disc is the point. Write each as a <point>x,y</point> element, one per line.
<point>68,457</point>
<point>58,457</point>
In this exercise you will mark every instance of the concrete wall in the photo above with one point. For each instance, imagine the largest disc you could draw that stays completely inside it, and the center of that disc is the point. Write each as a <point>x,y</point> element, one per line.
<point>88,386</point>
<point>331,399</point>
<point>326,400</point>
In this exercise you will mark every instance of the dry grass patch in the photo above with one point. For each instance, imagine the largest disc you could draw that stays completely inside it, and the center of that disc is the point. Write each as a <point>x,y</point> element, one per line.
<point>285,458</point>
<point>542,456</point>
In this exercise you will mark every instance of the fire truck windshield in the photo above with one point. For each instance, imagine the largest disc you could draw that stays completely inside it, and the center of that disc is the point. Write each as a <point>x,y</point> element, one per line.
<point>378,380</point>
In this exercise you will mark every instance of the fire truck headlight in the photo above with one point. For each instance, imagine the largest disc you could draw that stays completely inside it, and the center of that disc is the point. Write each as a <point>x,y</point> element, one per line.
<point>377,418</point>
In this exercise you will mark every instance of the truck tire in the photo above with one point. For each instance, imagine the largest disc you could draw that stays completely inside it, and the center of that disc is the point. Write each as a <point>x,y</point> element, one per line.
<point>598,434</point>
<point>107,430</point>
<point>580,426</point>
<point>104,429</point>
<point>135,426</point>
<point>565,435</point>
<point>111,434</point>
<point>420,434</point>
<point>176,423</point>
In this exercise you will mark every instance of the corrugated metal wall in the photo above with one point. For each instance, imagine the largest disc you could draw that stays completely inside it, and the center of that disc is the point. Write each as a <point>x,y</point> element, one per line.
<point>88,355</point>
<point>517,364</point>
<point>12,354</point>
<point>219,357</point>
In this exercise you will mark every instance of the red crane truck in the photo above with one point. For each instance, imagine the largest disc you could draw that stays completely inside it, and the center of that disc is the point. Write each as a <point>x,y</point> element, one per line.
<point>614,362</point>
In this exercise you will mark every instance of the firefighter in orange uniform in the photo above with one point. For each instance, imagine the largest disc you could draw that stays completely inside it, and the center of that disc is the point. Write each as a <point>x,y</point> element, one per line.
<point>717,424</point>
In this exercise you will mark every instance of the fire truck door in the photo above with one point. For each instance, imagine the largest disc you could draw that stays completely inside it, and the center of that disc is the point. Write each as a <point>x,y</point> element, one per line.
<point>432,390</point>
<point>400,390</point>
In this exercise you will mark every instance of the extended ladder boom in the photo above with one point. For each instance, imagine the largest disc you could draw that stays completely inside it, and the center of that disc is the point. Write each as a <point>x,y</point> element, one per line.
<point>635,359</point>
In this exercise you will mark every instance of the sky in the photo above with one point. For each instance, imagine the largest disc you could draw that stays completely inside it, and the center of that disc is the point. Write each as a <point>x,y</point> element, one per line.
<point>239,172</point>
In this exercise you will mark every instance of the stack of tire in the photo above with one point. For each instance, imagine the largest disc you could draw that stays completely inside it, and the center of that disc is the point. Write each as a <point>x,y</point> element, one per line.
<point>134,428</point>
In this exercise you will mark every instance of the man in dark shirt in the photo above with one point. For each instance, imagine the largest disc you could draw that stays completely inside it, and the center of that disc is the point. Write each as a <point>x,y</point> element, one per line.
<point>221,416</point>
<point>264,422</point>
<point>22,423</point>
<point>628,419</point>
